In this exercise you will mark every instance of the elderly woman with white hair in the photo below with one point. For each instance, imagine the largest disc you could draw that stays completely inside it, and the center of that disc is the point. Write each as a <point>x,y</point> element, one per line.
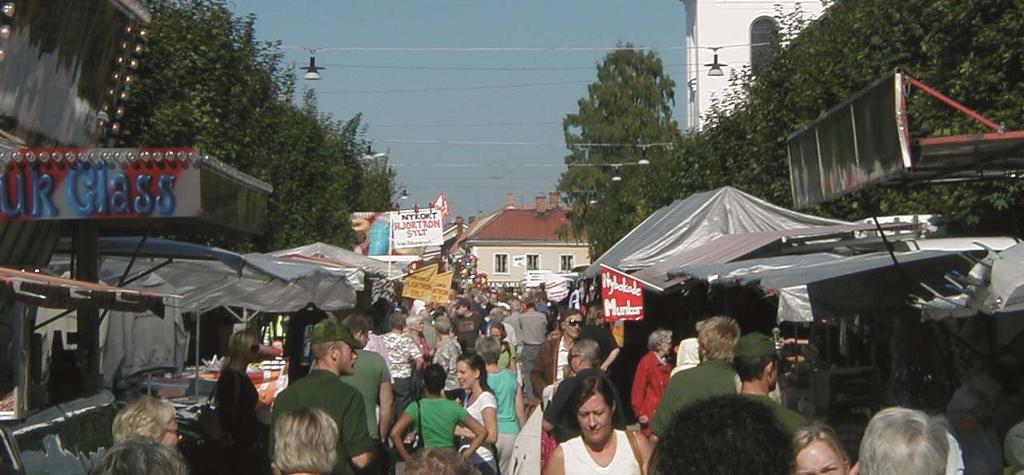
<point>404,357</point>
<point>904,441</point>
<point>652,375</point>
<point>414,326</point>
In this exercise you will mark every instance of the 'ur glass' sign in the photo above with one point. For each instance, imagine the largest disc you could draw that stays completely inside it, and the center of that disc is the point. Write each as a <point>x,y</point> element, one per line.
<point>50,186</point>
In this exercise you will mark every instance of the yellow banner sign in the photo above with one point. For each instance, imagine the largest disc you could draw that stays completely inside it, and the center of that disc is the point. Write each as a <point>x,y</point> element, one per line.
<point>428,285</point>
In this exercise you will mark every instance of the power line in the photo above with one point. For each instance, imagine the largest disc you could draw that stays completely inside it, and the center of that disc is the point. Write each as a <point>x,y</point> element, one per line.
<point>528,144</point>
<point>464,88</point>
<point>477,165</point>
<point>500,49</point>
<point>497,124</point>
<point>475,68</point>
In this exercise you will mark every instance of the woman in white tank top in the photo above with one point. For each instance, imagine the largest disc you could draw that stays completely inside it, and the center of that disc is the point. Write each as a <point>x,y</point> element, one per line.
<point>600,449</point>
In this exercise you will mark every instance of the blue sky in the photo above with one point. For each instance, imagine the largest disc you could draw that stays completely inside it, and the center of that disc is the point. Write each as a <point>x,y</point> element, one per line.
<point>417,96</point>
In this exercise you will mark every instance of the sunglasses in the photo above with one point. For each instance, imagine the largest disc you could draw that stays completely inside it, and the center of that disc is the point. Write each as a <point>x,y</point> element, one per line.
<point>576,323</point>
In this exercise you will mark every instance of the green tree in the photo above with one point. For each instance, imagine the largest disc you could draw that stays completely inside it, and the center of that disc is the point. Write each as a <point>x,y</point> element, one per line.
<point>627,108</point>
<point>206,81</point>
<point>971,50</point>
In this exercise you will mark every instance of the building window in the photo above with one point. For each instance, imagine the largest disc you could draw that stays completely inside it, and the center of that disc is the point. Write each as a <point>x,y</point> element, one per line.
<point>532,262</point>
<point>762,32</point>
<point>566,263</point>
<point>501,263</point>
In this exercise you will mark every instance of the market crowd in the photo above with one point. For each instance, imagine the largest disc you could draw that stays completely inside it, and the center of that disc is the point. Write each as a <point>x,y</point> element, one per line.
<point>486,383</point>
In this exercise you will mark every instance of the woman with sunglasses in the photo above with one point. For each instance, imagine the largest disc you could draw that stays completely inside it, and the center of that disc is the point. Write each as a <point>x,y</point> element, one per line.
<point>236,408</point>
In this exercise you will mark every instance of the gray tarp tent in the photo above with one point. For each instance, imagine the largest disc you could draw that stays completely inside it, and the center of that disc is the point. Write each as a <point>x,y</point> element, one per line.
<point>698,220</point>
<point>369,265</point>
<point>206,277</point>
<point>825,285</point>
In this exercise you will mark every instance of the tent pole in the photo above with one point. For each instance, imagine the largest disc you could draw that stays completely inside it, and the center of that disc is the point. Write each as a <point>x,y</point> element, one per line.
<point>892,254</point>
<point>199,315</point>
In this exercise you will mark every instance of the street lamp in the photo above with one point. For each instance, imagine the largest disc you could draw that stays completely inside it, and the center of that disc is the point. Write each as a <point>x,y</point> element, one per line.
<point>404,195</point>
<point>369,155</point>
<point>312,71</point>
<point>716,67</point>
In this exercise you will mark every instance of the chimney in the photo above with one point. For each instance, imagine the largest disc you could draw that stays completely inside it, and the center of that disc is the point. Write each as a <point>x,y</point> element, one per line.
<point>510,200</point>
<point>542,204</point>
<point>553,200</point>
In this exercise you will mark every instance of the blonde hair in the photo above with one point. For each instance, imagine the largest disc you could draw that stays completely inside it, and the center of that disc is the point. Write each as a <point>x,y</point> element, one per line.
<point>717,338</point>
<point>305,440</point>
<point>240,350</point>
<point>818,432</point>
<point>146,417</point>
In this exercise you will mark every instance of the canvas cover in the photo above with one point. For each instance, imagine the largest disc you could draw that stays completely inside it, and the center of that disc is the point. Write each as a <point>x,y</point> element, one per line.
<point>698,220</point>
<point>821,285</point>
<point>264,284</point>
<point>339,255</point>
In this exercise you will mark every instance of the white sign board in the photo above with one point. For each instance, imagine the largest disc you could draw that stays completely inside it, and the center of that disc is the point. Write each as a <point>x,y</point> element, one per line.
<point>519,261</point>
<point>416,228</point>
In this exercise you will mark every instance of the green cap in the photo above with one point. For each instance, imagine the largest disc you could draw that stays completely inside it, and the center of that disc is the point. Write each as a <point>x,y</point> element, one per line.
<point>330,330</point>
<point>753,345</point>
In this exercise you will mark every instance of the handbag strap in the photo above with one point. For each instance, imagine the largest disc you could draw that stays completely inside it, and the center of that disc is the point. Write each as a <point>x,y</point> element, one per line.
<point>631,436</point>
<point>419,423</point>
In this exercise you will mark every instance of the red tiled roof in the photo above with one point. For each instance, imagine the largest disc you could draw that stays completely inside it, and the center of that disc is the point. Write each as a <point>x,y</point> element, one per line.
<point>525,224</point>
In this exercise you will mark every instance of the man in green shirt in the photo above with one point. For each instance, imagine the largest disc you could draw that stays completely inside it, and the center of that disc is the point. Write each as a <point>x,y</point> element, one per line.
<point>334,347</point>
<point>757,365</point>
<point>714,376</point>
<point>372,379</point>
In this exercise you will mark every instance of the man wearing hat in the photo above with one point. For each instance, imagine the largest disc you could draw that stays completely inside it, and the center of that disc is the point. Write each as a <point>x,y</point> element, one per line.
<point>757,365</point>
<point>334,347</point>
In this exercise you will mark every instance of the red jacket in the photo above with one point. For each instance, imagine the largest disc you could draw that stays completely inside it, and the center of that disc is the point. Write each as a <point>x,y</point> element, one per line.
<point>649,384</point>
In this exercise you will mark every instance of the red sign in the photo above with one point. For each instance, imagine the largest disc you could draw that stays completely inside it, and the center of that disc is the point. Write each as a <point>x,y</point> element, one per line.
<point>441,204</point>
<point>622,296</point>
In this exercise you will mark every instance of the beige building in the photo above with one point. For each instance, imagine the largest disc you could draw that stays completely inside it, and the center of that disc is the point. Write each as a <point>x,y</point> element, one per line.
<point>514,240</point>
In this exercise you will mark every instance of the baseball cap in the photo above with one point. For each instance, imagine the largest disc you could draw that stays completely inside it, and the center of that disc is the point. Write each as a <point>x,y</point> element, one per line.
<point>330,330</point>
<point>753,345</point>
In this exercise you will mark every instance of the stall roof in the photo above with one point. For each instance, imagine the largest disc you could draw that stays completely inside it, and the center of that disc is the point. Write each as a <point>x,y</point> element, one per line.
<point>827,285</point>
<point>48,291</point>
<point>698,220</point>
<point>265,284</point>
<point>207,277</point>
<point>319,252</point>
<point>164,248</point>
<point>732,247</point>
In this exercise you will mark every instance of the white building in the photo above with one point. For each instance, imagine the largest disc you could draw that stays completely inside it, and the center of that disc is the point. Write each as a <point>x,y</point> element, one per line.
<point>734,29</point>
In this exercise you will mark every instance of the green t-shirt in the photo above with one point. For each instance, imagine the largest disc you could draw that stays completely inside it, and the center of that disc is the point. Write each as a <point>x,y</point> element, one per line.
<point>371,372</point>
<point>505,359</point>
<point>504,385</point>
<point>791,420</point>
<point>440,416</point>
<point>708,379</point>
<point>325,391</point>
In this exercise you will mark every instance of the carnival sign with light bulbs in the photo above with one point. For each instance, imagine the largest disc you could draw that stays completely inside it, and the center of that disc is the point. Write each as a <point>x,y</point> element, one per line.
<point>73,184</point>
<point>621,295</point>
<point>416,228</point>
